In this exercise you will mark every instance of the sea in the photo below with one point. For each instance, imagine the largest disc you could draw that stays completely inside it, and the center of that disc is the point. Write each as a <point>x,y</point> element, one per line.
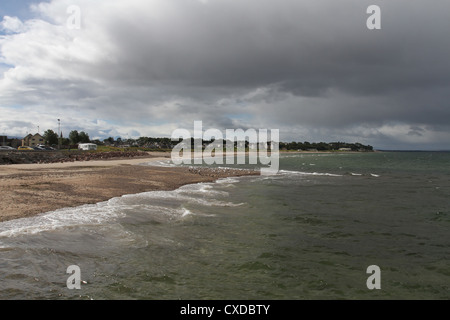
<point>313,231</point>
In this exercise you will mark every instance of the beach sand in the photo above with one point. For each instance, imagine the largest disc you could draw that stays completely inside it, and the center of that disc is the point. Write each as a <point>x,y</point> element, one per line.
<point>30,189</point>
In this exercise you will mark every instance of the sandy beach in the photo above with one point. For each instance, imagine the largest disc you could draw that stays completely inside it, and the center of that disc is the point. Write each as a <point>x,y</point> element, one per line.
<point>30,189</point>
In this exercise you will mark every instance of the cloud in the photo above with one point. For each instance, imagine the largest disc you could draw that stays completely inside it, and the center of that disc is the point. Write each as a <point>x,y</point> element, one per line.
<point>11,25</point>
<point>311,69</point>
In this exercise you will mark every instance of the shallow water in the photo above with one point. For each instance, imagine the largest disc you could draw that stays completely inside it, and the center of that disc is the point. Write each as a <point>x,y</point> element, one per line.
<point>309,232</point>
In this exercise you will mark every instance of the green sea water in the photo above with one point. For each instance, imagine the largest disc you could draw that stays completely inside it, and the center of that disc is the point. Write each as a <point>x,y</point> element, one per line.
<point>309,232</point>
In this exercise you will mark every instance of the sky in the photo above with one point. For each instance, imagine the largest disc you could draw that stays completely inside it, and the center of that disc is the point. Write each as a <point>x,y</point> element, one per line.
<point>311,69</point>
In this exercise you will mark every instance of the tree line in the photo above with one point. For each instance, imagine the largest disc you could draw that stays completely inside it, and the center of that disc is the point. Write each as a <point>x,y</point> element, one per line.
<point>323,146</point>
<point>75,137</point>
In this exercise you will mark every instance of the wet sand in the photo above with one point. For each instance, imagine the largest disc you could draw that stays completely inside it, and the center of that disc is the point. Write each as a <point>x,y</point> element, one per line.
<point>30,189</point>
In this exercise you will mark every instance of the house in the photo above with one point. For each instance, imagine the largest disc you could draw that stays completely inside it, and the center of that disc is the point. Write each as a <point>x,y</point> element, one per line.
<point>15,143</point>
<point>12,142</point>
<point>32,140</point>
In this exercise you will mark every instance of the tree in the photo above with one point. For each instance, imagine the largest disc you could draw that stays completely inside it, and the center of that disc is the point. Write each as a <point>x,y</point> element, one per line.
<point>50,137</point>
<point>65,141</point>
<point>97,142</point>
<point>110,140</point>
<point>78,137</point>
<point>74,137</point>
<point>83,137</point>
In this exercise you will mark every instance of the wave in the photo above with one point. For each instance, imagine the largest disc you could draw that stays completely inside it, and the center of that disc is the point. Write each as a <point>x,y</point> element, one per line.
<point>83,215</point>
<point>166,205</point>
<point>229,180</point>
<point>289,172</point>
<point>362,174</point>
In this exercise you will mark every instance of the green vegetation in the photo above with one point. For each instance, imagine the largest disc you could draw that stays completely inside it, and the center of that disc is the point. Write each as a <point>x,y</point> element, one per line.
<point>50,137</point>
<point>166,144</point>
<point>76,137</point>
<point>323,146</point>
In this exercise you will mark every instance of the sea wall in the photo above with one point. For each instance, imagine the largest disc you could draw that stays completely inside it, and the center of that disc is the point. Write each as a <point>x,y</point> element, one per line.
<point>29,157</point>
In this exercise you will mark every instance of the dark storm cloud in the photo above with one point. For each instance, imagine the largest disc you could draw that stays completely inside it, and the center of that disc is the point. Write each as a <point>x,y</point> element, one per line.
<point>306,48</point>
<point>301,44</point>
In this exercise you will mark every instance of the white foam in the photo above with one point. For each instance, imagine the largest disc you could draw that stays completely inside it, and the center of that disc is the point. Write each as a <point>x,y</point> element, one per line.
<point>229,180</point>
<point>288,172</point>
<point>186,212</point>
<point>82,215</point>
<point>94,214</point>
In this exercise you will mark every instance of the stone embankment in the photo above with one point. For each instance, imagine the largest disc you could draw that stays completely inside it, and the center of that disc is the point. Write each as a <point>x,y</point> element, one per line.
<point>222,172</point>
<point>29,157</point>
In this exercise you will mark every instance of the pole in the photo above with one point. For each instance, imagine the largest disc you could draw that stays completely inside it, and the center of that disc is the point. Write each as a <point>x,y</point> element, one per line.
<point>59,134</point>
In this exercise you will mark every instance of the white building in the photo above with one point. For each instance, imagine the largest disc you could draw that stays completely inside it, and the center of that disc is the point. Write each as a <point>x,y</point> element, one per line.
<point>87,146</point>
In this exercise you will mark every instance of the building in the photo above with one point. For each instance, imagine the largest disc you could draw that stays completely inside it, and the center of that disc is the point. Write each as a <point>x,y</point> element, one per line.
<point>87,146</point>
<point>15,143</point>
<point>12,142</point>
<point>32,140</point>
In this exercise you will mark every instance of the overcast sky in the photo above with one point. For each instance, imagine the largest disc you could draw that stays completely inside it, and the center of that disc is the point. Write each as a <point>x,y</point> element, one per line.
<point>310,68</point>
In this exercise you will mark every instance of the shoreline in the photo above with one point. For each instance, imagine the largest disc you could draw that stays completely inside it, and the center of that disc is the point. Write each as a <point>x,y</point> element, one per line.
<point>35,188</point>
<point>8,158</point>
<point>31,189</point>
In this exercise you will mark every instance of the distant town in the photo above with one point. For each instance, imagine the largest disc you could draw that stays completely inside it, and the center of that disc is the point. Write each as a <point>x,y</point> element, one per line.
<point>50,140</point>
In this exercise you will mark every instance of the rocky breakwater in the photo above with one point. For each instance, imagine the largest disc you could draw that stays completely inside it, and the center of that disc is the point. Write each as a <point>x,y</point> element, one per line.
<point>106,155</point>
<point>222,172</point>
<point>29,157</point>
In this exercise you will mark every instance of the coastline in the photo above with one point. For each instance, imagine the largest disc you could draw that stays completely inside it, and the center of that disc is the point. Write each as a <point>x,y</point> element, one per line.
<point>31,189</point>
<point>34,188</point>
